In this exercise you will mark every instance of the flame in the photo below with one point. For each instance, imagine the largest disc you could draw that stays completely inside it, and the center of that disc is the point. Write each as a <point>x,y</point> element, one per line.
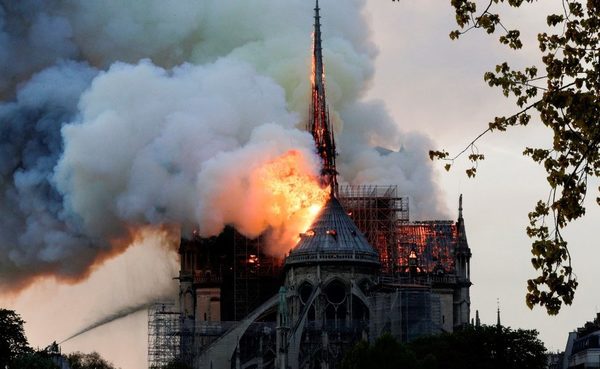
<point>295,198</point>
<point>312,60</point>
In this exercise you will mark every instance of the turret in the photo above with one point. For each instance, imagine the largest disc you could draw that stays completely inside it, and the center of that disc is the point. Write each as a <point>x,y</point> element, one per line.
<point>462,257</point>
<point>463,252</point>
<point>498,323</point>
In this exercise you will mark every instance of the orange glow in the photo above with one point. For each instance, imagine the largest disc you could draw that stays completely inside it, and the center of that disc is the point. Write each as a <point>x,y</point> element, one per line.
<point>171,233</point>
<point>312,59</point>
<point>253,259</point>
<point>295,198</point>
<point>433,243</point>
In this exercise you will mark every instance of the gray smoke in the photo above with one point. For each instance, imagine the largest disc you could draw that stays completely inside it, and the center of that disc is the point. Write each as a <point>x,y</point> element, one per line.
<point>35,235</point>
<point>119,115</point>
<point>379,153</point>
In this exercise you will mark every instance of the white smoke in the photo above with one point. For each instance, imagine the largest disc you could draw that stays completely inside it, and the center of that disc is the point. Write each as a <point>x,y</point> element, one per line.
<point>221,86</point>
<point>373,150</point>
<point>161,147</point>
<point>274,36</point>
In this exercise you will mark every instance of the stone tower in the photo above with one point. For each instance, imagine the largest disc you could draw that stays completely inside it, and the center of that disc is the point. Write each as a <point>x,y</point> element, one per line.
<point>462,298</point>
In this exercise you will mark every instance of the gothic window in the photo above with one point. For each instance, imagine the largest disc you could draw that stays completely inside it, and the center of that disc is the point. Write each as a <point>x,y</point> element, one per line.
<point>335,292</point>
<point>305,290</point>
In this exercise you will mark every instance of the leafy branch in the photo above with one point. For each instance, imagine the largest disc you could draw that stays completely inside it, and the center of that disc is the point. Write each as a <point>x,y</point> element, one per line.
<point>568,105</point>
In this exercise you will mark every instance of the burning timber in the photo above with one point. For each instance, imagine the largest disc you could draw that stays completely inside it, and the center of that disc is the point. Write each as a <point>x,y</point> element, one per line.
<point>360,270</point>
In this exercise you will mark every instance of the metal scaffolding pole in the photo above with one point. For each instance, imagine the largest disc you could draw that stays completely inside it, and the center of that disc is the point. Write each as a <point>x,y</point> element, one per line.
<point>376,210</point>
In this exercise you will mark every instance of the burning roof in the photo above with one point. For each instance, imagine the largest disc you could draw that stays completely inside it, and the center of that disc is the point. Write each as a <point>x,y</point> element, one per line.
<point>333,237</point>
<point>433,242</point>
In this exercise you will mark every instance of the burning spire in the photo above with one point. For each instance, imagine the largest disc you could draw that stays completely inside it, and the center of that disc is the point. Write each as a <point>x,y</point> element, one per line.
<point>318,121</point>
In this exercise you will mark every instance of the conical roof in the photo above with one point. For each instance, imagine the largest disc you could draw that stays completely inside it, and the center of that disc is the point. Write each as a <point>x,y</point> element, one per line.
<point>332,238</point>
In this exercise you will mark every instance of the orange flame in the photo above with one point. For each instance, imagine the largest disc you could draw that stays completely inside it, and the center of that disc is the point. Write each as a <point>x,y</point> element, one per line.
<point>295,197</point>
<point>312,63</point>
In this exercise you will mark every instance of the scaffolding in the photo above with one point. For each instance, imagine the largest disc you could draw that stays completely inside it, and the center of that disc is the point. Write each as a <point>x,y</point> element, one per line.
<point>246,277</point>
<point>405,310</point>
<point>246,268</point>
<point>255,275</point>
<point>163,334</point>
<point>376,211</point>
<point>383,217</point>
<point>416,314</point>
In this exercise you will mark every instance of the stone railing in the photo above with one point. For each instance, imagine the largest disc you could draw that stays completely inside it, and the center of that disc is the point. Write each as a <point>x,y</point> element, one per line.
<point>332,256</point>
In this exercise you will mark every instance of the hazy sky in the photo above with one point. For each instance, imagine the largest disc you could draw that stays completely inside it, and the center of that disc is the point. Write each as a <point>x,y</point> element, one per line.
<point>431,85</point>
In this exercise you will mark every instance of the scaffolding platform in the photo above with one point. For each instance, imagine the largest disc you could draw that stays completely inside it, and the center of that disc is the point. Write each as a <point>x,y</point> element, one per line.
<point>377,210</point>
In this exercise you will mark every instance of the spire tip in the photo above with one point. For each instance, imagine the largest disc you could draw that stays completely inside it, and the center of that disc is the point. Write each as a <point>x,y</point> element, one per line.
<point>498,322</point>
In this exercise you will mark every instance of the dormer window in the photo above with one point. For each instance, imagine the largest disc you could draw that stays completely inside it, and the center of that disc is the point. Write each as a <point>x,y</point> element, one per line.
<point>412,258</point>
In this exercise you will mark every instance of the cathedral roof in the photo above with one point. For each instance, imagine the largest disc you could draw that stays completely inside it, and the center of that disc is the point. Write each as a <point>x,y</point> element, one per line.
<point>333,237</point>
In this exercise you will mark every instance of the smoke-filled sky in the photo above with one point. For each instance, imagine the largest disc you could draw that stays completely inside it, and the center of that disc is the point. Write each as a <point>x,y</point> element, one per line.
<point>158,113</point>
<point>122,121</point>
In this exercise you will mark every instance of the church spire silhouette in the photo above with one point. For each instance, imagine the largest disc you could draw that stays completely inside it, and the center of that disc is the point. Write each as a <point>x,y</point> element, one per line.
<point>319,124</point>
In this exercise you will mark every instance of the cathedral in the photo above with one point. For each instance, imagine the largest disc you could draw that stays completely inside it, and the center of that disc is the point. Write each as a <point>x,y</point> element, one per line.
<point>361,270</point>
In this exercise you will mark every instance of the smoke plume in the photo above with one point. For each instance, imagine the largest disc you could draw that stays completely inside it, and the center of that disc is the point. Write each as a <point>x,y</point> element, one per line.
<point>123,115</point>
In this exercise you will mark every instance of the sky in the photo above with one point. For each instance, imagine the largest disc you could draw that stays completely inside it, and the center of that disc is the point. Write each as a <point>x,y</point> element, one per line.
<point>429,85</point>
